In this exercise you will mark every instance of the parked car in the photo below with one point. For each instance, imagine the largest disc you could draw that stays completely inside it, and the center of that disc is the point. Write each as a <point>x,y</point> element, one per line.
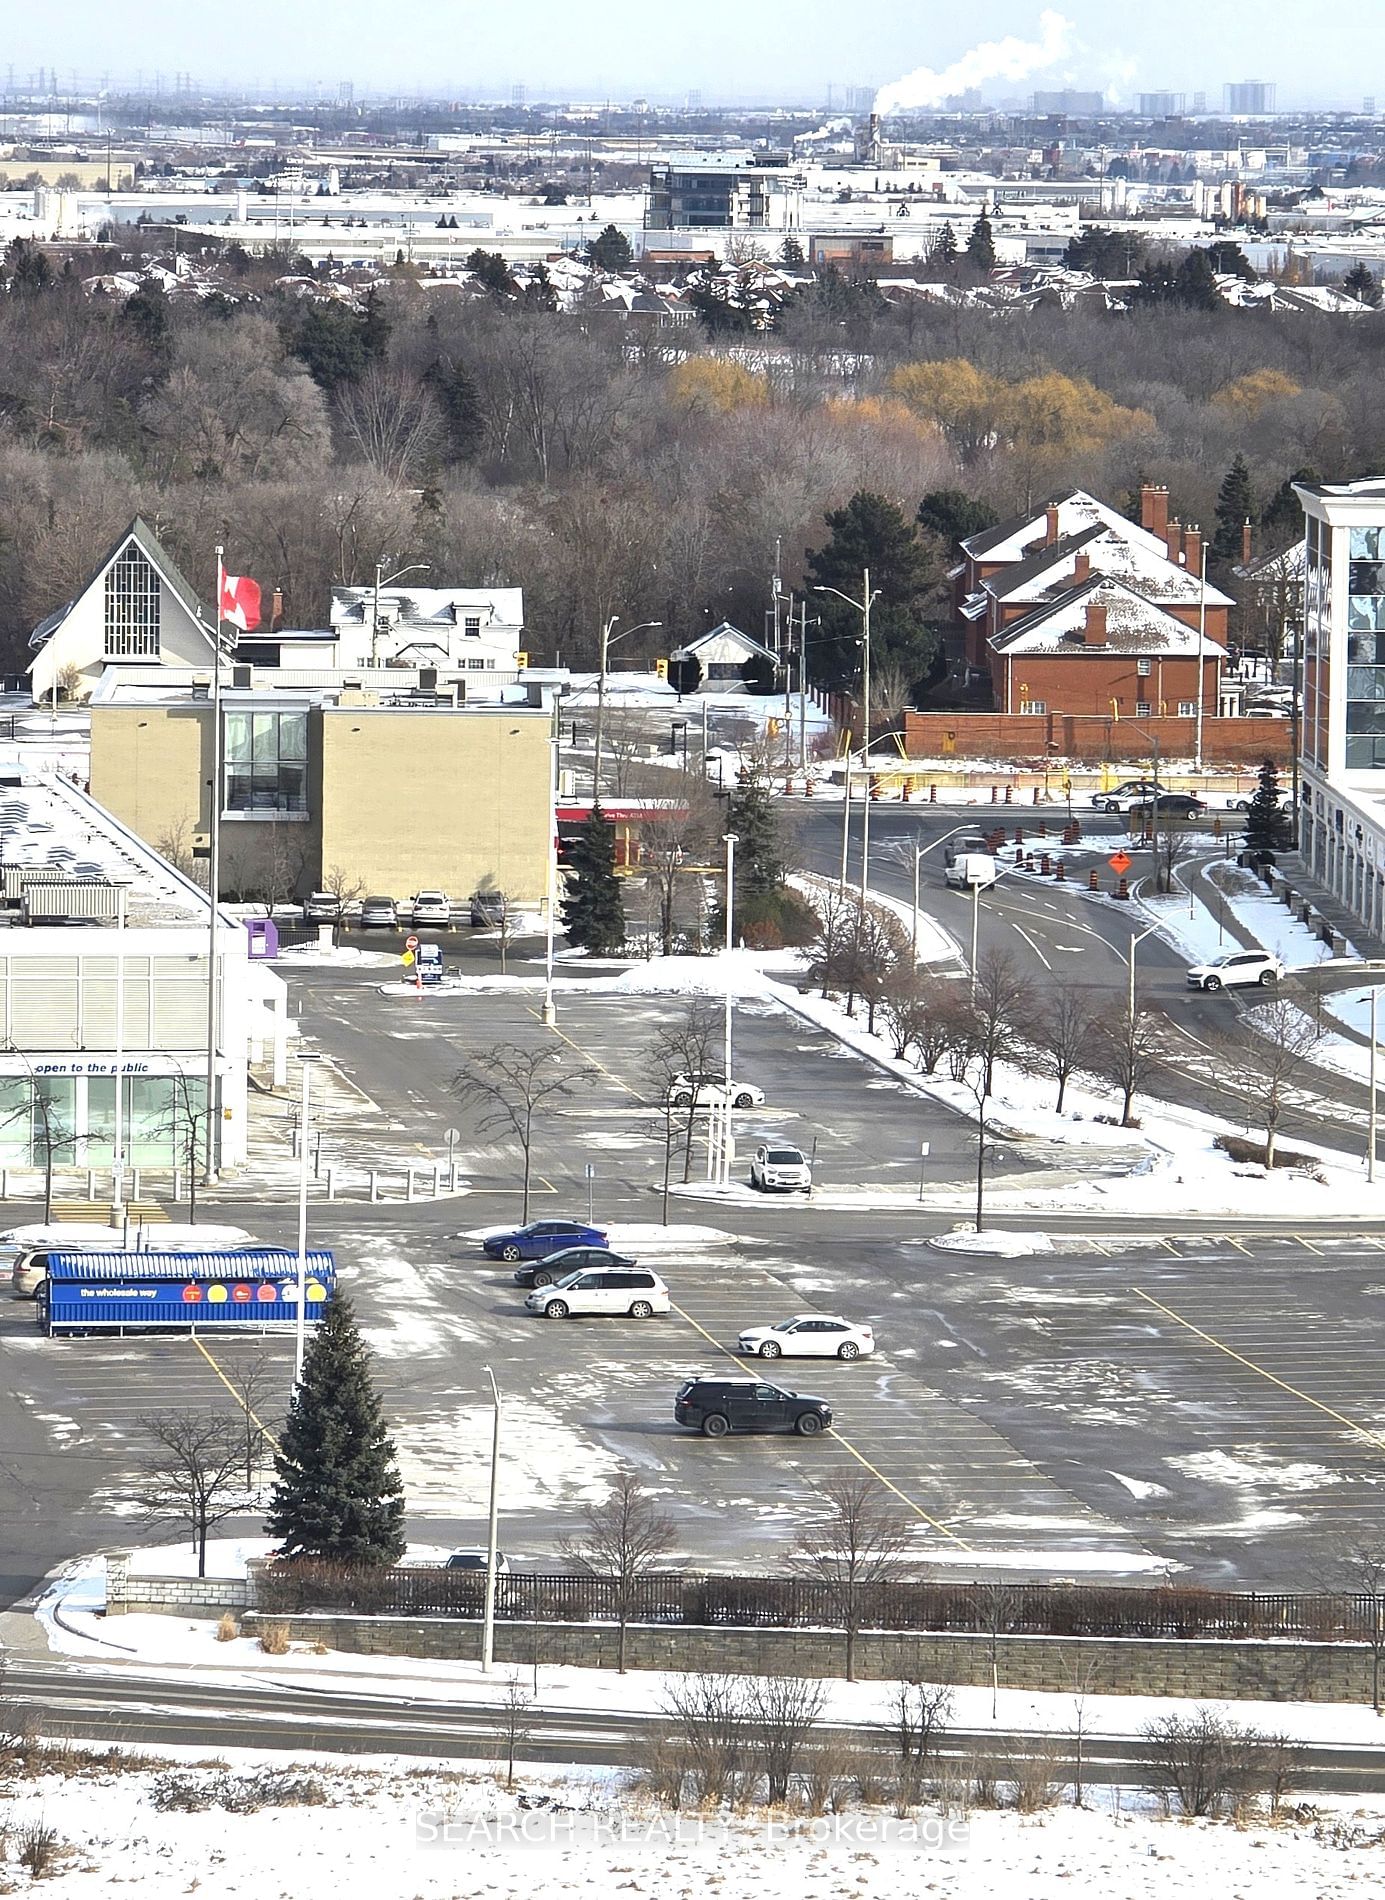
<point>715,1407</point>
<point>1166,805</point>
<point>321,907</point>
<point>477,1560</point>
<point>540,1237</point>
<point>708,1086</point>
<point>971,870</point>
<point>379,913</point>
<point>630,1290</point>
<point>569,1260</point>
<point>1242,801</point>
<point>432,908</point>
<point>488,910</point>
<point>774,1168</point>
<point>808,1336</point>
<point>1133,791</point>
<point>1236,970</point>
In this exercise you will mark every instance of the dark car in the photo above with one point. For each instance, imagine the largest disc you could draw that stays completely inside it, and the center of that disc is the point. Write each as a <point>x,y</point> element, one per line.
<point>570,1260</point>
<point>541,1237</point>
<point>1166,805</point>
<point>488,910</point>
<point>715,1407</point>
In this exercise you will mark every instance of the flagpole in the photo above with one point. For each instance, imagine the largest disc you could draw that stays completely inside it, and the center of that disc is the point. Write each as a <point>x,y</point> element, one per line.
<point>209,1173</point>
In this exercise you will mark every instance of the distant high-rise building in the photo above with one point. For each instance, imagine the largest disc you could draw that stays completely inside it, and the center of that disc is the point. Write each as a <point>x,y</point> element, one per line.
<point>346,92</point>
<point>1069,104</point>
<point>1161,105</point>
<point>694,100</point>
<point>518,95</point>
<point>1251,98</point>
<point>1368,105</point>
<point>859,98</point>
<point>1199,103</point>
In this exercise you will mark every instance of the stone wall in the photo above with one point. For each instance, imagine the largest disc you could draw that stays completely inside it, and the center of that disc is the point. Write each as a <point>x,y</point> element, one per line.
<point>1093,740</point>
<point>170,1596</point>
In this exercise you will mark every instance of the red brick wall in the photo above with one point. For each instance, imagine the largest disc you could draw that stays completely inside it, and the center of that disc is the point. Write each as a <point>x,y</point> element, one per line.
<point>1086,681</point>
<point>1092,741</point>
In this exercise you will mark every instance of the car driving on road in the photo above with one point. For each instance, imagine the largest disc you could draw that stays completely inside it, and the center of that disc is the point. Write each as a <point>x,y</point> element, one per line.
<point>715,1407</point>
<point>708,1087</point>
<point>808,1336</point>
<point>775,1168</point>
<point>1133,791</point>
<point>555,1266</point>
<point>539,1237</point>
<point>631,1291</point>
<point>1236,970</point>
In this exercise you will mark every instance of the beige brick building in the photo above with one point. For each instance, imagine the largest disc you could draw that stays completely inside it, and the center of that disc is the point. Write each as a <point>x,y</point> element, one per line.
<point>325,787</point>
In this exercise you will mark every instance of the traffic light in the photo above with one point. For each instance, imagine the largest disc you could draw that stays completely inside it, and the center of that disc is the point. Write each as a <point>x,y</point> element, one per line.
<point>661,668</point>
<point>521,661</point>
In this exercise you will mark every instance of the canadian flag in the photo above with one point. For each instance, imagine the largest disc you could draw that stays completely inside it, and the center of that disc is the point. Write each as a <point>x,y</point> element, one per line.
<point>240,601</point>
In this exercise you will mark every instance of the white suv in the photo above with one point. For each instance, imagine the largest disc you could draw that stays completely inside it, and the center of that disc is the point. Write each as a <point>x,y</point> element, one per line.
<point>633,1291</point>
<point>1235,971</point>
<point>773,1167</point>
<point>431,907</point>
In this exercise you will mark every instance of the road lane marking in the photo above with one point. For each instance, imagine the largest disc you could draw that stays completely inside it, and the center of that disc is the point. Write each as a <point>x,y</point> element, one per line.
<point>586,1055</point>
<point>837,1436</point>
<point>1033,946</point>
<point>1263,1372</point>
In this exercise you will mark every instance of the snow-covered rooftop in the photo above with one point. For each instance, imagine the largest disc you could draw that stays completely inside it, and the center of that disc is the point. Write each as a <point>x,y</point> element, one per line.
<point>1133,625</point>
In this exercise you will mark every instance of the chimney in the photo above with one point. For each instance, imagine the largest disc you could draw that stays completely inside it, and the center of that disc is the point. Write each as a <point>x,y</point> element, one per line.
<point>1154,509</point>
<point>1245,542</point>
<point>1050,524</point>
<point>1081,569</point>
<point>1192,548</point>
<point>276,610</point>
<point>1096,625</point>
<point>1173,535</point>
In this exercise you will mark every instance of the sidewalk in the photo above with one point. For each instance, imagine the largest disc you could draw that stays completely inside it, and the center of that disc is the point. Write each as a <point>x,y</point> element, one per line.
<point>1366,943</point>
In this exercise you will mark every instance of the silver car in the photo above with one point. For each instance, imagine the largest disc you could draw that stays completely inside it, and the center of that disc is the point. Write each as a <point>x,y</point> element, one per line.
<point>379,913</point>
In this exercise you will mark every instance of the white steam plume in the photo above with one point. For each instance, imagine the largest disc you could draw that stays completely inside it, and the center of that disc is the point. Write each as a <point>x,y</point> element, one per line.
<point>1009,59</point>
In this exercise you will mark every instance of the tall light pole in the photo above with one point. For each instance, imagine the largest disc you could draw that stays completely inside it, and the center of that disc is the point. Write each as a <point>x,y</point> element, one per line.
<point>214,882</point>
<point>414,567</point>
<point>1371,1119</point>
<point>1135,943</point>
<point>728,1134</point>
<point>492,1554</point>
<point>1201,664</point>
<point>549,1014</point>
<point>607,641</point>
<point>863,607</point>
<point>118,1128</point>
<point>307,1057</point>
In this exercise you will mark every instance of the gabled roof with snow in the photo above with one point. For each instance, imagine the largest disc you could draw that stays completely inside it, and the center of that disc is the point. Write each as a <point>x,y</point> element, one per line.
<point>1287,564</point>
<point>1014,539</point>
<point>1051,569</point>
<point>153,551</point>
<point>1134,625</point>
<point>724,632</point>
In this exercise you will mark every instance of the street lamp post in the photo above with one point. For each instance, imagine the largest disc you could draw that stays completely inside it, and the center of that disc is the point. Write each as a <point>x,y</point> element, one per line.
<point>863,607</point>
<point>1135,943</point>
<point>549,1014</point>
<point>307,1057</point>
<point>386,580</point>
<point>728,1134</point>
<point>492,1553</point>
<point>118,1129</point>
<point>607,641</point>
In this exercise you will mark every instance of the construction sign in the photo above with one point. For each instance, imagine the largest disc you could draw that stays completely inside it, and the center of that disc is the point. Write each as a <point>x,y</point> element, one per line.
<point>1120,863</point>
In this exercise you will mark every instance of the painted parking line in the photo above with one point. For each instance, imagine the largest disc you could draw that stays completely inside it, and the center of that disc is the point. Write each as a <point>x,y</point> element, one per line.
<point>1232,1241</point>
<point>837,1437</point>
<point>1303,1241</point>
<point>1263,1372</point>
<point>270,1438</point>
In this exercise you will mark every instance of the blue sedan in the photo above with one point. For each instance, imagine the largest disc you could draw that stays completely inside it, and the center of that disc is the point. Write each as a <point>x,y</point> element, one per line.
<point>541,1237</point>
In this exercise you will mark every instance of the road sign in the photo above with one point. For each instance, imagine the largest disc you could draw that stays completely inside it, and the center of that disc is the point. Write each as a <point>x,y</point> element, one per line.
<point>1120,863</point>
<point>411,943</point>
<point>591,1171</point>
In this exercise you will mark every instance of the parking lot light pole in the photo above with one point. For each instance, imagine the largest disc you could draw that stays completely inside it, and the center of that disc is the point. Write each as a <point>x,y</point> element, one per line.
<point>1371,1127</point>
<point>728,1133</point>
<point>863,607</point>
<point>1135,943</point>
<point>549,1015</point>
<point>307,1057</point>
<point>606,642</point>
<point>492,1554</point>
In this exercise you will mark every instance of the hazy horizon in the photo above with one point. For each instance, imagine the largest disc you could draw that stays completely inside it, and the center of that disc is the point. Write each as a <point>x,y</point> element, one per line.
<point>780,50</point>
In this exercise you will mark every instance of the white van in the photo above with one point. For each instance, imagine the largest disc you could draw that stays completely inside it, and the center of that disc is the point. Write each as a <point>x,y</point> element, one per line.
<point>971,869</point>
<point>29,1247</point>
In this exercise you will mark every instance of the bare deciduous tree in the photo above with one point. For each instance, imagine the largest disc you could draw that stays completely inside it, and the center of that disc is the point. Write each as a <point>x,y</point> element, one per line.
<point>515,1087</point>
<point>195,1475</point>
<point>1061,1031</point>
<point>1001,1000</point>
<point>1268,1062</point>
<point>624,1538</point>
<point>679,835</point>
<point>1129,1050</point>
<point>516,1728</point>
<point>856,1542</point>
<point>688,1046</point>
<point>392,422</point>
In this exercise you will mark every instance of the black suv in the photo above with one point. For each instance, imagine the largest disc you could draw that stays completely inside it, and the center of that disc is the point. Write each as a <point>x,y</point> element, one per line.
<point>718,1406</point>
<point>1167,805</point>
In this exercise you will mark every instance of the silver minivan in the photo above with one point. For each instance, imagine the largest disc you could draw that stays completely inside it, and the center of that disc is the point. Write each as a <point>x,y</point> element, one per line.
<point>633,1291</point>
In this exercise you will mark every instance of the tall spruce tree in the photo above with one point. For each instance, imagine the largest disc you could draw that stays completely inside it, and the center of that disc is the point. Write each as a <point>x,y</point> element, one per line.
<point>942,252</point>
<point>1235,506</point>
<point>337,1491</point>
<point>1269,827</point>
<point>594,908</point>
<point>981,244</point>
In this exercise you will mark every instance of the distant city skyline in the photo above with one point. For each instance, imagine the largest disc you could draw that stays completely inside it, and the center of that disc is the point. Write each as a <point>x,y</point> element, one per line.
<point>776,51</point>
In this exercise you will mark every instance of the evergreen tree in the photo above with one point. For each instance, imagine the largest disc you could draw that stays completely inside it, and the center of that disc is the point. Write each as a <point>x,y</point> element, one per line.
<point>455,389</point>
<point>981,244</point>
<point>1281,519</point>
<point>1230,259</point>
<point>753,817</point>
<point>146,313</point>
<point>953,515</point>
<point>337,1491</point>
<point>1195,281</point>
<point>610,250</point>
<point>1269,827</point>
<point>872,532</point>
<point>492,272</point>
<point>1235,506</point>
<point>1363,285</point>
<point>791,251</point>
<point>540,293</point>
<point>593,909</point>
<point>942,253</point>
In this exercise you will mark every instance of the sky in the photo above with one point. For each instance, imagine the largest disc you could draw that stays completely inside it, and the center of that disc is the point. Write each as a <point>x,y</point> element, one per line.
<point>726,49</point>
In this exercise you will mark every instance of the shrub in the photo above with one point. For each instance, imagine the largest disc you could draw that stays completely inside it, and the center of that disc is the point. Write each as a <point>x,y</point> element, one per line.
<point>38,1846</point>
<point>227,1630</point>
<point>1240,1149</point>
<point>274,1639</point>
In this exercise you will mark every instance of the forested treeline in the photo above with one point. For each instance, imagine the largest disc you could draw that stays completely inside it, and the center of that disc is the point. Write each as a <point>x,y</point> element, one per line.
<point>609,468</point>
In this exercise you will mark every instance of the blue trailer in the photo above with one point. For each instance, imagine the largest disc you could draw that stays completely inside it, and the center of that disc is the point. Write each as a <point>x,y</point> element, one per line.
<point>253,1288</point>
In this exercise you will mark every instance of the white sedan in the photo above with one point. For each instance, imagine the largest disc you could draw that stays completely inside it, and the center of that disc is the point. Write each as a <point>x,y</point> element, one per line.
<point>808,1336</point>
<point>706,1090</point>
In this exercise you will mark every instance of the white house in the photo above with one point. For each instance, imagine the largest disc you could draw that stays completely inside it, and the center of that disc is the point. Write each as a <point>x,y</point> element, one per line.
<point>478,629</point>
<point>136,606</point>
<point>722,654</point>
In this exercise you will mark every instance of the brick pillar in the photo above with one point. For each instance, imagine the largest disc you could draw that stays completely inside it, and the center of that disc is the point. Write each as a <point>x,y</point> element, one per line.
<point>255,1568</point>
<point>117,1581</point>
